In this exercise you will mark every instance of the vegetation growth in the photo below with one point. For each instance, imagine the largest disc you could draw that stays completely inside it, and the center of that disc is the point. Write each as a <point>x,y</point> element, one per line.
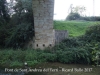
<point>16,24</point>
<point>75,28</point>
<point>82,50</point>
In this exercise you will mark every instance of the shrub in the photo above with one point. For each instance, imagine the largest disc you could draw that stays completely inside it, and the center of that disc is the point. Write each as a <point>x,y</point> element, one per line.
<point>20,35</point>
<point>49,57</point>
<point>92,18</point>
<point>3,34</point>
<point>73,16</point>
<point>74,55</point>
<point>65,56</point>
<point>91,41</point>
<point>95,51</point>
<point>96,57</point>
<point>16,64</point>
<point>92,34</point>
<point>31,55</point>
<point>73,50</point>
<point>32,62</point>
<point>72,42</point>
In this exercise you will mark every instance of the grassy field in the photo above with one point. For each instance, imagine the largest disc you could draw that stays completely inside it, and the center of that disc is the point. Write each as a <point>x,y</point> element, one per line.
<point>75,28</point>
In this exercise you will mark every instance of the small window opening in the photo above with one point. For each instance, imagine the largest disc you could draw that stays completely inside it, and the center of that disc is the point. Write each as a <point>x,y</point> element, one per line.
<point>37,45</point>
<point>43,45</point>
<point>50,45</point>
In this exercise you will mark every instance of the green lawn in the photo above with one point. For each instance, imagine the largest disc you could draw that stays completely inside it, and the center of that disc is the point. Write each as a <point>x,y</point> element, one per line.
<point>75,28</point>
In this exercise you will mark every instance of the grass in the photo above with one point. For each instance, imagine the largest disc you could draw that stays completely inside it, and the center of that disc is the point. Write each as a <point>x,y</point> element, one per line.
<point>75,28</point>
<point>16,58</point>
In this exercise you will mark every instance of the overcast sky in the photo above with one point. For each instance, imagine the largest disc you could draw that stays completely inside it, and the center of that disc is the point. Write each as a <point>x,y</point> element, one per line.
<point>62,7</point>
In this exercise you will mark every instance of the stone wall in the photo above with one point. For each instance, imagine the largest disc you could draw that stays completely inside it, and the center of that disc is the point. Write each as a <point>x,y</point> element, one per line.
<point>60,35</point>
<point>43,11</point>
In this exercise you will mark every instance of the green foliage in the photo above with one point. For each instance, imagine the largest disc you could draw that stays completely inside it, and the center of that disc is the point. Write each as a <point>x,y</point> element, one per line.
<point>65,56</point>
<point>23,12</point>
<point>12,55</point>
<point>21,34</point>
<point>73,16</point>
<point>20,28</point>
<point>3,35</point>
<point>22,25</point>
<point>91,18</point>
<point>82,49</point>
<point>32,63</point>
<point>4,16</point>
<point>72,51</point>
<point>72,42</point>
<point>15,64</point>
<point>93,33</point>
<point>75,28</point>
<point>91,41</point>
<point>31,55</point>
<point>49,57</point>
<point>4,19</point>
<point>94,48</point>
<point>16,58</point>
<point>95,56</point>
<point>74,55</point>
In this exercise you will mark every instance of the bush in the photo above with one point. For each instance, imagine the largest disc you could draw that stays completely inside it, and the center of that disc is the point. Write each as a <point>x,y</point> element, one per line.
<point>20,35</point>
<point>92,34</point>
<point>48,57</point>
<point>73,16</point>
<point>77,16</point>
<point>91,41</point>
<point>74,55</point>
<point>65,56</point>
<point>72,42</point>
<point>72,50</point>
<point>92,18</point>
<point>16,58</point>
<point>3,34</point>
<point>16,64</point>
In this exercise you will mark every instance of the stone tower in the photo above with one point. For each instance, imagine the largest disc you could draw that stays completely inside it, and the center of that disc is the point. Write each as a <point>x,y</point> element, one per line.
<point>43,11</point>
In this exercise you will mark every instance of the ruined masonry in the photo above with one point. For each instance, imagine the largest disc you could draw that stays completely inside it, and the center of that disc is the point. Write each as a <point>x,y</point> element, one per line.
<point>43,23</point>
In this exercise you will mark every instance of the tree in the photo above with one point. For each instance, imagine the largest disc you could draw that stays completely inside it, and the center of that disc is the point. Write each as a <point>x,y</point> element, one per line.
<point>76,13</point>
<point>73,16</point>
<point>70,10</point>
<point>22,24</point>
<point>4,16</point>
<point>79,9</point>
<point>4,19</point>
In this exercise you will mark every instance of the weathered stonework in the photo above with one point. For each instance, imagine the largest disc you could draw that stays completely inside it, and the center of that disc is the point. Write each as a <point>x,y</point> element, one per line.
<point>43,11</point>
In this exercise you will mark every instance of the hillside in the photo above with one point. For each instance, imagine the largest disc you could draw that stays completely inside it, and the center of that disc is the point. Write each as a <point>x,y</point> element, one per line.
<point>75,28</point>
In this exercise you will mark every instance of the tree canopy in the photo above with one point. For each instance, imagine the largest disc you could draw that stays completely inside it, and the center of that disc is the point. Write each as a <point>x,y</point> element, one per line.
<point>4,16</point>
<point>20,28</point>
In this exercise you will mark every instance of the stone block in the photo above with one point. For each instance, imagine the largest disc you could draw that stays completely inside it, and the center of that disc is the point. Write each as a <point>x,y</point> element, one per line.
<point>35,2</point>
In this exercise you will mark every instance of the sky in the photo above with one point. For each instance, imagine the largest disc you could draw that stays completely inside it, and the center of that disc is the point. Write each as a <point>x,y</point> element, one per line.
<point>61,7</point>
